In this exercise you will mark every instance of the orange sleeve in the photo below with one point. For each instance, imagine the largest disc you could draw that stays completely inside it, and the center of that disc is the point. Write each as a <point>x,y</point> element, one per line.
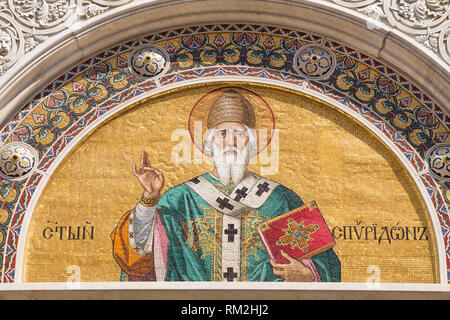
<point>128,260</point>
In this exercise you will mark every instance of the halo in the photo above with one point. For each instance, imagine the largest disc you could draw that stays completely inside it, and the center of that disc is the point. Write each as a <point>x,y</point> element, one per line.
<point>265,118</point>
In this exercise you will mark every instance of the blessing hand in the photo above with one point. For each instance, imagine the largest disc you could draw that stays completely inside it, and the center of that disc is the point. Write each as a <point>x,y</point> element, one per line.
<point>292,271</point>
<point>151,179</point>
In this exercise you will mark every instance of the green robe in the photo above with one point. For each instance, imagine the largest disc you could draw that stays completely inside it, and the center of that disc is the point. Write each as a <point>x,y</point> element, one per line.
<point>194,229</point>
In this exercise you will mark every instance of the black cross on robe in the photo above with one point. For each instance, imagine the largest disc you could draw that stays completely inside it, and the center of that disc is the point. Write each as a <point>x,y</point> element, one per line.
<point>195,180</point>
<point>223,203</point>
<point>231,231</point>
<point>230,275</point>
<point>241,193</point>
<point>262,188</point>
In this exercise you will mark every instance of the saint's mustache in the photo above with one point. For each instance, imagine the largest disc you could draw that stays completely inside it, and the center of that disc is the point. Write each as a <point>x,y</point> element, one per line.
<point>228,148</point>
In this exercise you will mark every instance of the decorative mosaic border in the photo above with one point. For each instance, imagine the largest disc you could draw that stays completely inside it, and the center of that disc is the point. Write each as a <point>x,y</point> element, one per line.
<point>297,38</point>
<point>426,25</point>
<point>92,90</point>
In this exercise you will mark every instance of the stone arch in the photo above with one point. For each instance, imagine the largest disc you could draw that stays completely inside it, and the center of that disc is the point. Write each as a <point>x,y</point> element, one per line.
<point>376,45</point>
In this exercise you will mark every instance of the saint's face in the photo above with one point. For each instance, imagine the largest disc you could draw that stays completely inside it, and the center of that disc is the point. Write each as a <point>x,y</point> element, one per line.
<point>231,134</point>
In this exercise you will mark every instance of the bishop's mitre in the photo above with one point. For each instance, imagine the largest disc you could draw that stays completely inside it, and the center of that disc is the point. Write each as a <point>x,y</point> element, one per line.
<point>231,106</point>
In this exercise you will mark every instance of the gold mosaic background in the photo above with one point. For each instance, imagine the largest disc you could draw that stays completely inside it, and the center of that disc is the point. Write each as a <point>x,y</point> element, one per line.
<point>324,156</point>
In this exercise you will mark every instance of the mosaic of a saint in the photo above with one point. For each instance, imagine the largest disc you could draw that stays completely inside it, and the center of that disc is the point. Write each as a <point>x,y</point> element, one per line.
<point>205,229</point>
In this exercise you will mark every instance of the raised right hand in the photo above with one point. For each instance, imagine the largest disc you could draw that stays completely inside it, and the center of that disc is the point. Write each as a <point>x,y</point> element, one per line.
<point>151,179</point>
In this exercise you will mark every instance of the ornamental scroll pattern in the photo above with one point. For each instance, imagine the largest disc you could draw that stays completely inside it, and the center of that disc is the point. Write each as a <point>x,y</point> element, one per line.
<point>426,21</point>
<point>24,24</point>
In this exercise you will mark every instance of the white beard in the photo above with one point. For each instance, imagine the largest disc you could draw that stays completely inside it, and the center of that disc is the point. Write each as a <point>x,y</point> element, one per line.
<point>231,167</point>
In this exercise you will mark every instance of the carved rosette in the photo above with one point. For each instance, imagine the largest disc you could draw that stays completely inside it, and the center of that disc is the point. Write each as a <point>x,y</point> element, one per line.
<point>148,61</point>
<point>314,62</point>
<point>438,162</point>
<point>426,21</point>
<point>17,161</point>
<point>41,15</point>
<point>24,24</point>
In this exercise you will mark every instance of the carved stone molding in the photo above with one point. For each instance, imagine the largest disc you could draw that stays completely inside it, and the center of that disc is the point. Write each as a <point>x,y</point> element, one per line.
<point>24,24</point>
<point>411,36</point>
<point>425,21</point>
<point>35,21</point>
<point>11,42</point>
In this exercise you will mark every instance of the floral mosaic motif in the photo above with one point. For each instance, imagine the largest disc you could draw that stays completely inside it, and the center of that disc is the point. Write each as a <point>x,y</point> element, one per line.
<point>60,109</point>
<point>15,224</point>
<point>251,242</point>
<point>17,160</point>
<point>88,92</point>
<point>36,22</point>
<point>200,234</point>
<point>386,98</point>
<point>10,193</point>
<point>148,61</point>
<point>441,209</point>
<point>241,48</point>
<point>438,162</point>
<point>314,62</point>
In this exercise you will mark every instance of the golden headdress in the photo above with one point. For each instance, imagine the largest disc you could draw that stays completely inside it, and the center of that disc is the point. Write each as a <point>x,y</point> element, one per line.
<point>231,106</point>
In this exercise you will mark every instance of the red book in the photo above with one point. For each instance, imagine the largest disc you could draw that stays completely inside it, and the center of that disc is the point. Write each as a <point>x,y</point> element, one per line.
<point>301,233</point>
